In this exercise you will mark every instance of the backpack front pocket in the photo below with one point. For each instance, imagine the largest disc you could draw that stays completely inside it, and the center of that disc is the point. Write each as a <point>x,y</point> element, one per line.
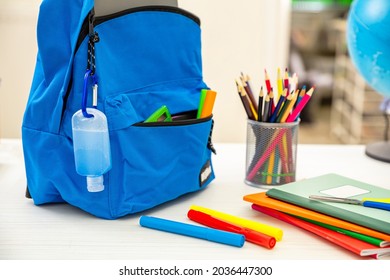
<point>155,162</point>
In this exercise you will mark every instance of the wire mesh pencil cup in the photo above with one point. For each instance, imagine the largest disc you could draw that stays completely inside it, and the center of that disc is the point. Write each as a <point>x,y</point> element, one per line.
<point>271,152</point>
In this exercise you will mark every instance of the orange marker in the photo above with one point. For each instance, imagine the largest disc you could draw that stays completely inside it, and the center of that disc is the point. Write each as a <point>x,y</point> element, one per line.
<point>208,103</point>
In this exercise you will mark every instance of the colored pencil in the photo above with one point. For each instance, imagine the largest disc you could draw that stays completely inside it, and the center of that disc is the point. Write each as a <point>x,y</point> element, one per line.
<point>293,82</point>
<point>271,101</point>
<point>245,102</point>
<point>301,95</point>
<point>274,141</point>
<point>287,106</point>
<point>286,81</point>
<point>267,81</point>
<point>266,108</point>
<point>277,168</point>
<point>260,105</point>
<point>290,106</point>
<point>279,83</point>
<point>290,156</point>
<point>271,165</point>
<point>248,89</point>
<point>278,106</point>
<point>294,114</point>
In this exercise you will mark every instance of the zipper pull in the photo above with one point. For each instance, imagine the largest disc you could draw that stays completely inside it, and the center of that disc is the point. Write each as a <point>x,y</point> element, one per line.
<point>93,35</point>
<point>210,142</point>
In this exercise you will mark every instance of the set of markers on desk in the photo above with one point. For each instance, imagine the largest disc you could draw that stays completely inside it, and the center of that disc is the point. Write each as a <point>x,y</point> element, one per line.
<point>274,106</point>
<point>220,227</point>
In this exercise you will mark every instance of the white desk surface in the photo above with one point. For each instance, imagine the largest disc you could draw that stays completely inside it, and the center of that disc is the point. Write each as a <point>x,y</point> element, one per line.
<point>61,231</point>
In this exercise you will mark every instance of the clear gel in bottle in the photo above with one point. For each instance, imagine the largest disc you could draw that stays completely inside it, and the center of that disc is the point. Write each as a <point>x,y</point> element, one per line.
<point>91,146</point>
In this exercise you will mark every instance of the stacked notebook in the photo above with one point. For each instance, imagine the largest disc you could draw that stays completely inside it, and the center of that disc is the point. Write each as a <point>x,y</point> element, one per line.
<point>362,230</point>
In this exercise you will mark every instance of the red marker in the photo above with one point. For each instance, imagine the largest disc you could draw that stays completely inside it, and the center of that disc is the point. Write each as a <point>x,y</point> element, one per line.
<point>250,235</point>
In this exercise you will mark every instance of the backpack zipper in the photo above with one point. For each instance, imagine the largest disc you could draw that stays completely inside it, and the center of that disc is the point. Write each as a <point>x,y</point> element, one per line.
<point>191,121</point>
<point>190,118</point>
<point>85,29</point>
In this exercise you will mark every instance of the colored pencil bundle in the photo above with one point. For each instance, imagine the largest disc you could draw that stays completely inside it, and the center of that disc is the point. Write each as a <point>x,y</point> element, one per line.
<point>273,159</point>
<point>272,156</point>
<point>283,105</point>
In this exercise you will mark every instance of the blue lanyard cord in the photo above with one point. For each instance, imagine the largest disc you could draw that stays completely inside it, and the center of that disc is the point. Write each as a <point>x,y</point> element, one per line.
<point>85,92</point>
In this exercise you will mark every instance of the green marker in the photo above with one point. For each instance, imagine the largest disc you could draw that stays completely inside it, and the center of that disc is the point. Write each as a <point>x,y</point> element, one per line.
<point>203,94</point>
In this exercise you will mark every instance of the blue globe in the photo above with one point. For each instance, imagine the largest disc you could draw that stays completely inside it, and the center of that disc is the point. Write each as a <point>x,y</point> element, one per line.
<point>368,41</point>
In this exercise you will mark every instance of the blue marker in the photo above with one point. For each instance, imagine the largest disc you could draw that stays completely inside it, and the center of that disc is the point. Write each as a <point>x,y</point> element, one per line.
<point>210,234</point>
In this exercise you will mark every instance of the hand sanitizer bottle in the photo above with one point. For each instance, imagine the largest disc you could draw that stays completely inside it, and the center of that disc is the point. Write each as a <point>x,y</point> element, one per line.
<point>91,146</point>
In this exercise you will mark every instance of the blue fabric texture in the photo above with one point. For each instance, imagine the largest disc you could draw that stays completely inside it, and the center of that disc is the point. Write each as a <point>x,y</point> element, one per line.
<point>145,58</point>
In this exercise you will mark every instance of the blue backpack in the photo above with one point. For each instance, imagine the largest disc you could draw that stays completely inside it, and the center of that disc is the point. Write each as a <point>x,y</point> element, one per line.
<point>140,59</point>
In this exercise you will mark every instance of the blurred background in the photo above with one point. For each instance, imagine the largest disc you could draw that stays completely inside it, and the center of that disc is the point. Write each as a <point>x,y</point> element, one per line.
<point>345,108</point>
<point>307,37</point>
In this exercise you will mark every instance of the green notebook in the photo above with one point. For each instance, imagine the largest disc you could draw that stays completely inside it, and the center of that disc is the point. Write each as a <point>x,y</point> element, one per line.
<point>336,185</point>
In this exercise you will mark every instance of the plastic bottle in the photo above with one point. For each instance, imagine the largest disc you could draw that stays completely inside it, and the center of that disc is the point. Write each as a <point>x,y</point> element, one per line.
<point>91,146</point>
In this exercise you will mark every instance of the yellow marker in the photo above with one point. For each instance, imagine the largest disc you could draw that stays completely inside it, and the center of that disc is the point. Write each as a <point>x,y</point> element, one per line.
<point>384,200</point>
<point>266,229</point>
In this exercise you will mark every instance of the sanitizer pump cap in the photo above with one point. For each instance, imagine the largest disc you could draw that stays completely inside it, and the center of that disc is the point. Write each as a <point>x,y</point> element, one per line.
<point>95,184</point>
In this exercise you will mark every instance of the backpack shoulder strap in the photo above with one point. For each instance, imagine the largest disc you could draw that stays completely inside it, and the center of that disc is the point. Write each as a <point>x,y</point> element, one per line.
<point>59,24</point>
